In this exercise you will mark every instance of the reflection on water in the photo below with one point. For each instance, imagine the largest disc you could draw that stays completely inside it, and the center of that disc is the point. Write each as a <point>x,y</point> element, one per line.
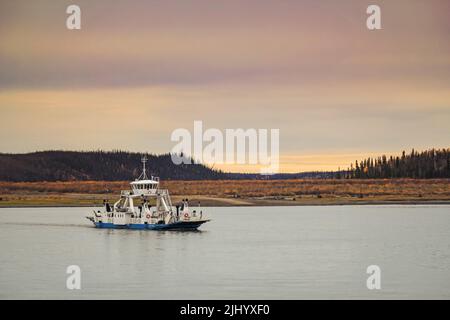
<point>259,253</point>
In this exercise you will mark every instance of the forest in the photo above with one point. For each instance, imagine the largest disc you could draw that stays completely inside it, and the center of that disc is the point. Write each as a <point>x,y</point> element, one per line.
<point>126,166</point>
<point>96,165</point>
<point>429,164</point>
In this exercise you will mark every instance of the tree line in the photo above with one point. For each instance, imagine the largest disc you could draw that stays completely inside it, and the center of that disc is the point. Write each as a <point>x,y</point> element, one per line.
<point>433,163</point>
<point>97,165</point>
<point>125,166</point>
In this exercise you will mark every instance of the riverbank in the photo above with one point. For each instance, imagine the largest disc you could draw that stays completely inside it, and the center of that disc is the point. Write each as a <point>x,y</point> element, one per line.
<point>218,193</point>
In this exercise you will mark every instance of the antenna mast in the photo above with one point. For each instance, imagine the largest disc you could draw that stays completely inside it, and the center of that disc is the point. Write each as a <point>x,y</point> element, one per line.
<point>143,176</point>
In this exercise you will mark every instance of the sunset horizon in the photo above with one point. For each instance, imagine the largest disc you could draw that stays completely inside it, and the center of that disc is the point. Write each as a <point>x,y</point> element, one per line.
<point>132,75</point>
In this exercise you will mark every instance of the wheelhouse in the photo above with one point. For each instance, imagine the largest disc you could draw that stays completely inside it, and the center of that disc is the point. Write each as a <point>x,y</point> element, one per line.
<point>145,187</point>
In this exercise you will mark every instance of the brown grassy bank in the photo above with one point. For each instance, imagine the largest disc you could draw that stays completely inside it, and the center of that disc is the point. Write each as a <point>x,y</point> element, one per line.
<point>236,192</point>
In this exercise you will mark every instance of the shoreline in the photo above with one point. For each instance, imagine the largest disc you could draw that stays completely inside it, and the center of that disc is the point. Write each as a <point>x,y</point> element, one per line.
<point>251,203</point>
<point>235,193</point>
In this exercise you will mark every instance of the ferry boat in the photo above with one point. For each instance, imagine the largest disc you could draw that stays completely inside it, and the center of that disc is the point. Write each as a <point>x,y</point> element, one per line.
<point>146,206</point>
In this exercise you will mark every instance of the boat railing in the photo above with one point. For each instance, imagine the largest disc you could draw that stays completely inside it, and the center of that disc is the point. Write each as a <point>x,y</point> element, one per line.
<point>163,192</point>
<point>125,192</point>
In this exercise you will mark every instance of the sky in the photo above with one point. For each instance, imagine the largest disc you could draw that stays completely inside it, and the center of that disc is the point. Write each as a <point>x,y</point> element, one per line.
<point>138,70</point>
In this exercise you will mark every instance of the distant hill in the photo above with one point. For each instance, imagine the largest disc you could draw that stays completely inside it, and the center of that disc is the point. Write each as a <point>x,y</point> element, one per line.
<point>125,166</point>
<point>114,166</point>
<point>96,165</point>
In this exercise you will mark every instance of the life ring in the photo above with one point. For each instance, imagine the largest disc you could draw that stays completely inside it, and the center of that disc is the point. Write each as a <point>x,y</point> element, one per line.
<point>186,215</point>
<point>148,216</point>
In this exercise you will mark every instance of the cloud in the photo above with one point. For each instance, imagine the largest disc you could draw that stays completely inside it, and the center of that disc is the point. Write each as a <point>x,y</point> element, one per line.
<point>198,43</point>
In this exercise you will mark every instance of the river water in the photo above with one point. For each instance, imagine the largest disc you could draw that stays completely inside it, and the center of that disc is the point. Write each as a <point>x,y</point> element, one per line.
<point>310,252</point>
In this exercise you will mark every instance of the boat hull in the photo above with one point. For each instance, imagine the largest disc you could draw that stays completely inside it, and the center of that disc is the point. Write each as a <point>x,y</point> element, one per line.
<point>180,225</point>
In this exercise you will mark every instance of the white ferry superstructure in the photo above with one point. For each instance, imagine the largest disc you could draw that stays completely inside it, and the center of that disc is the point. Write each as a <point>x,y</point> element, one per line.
<point>146,206</point>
